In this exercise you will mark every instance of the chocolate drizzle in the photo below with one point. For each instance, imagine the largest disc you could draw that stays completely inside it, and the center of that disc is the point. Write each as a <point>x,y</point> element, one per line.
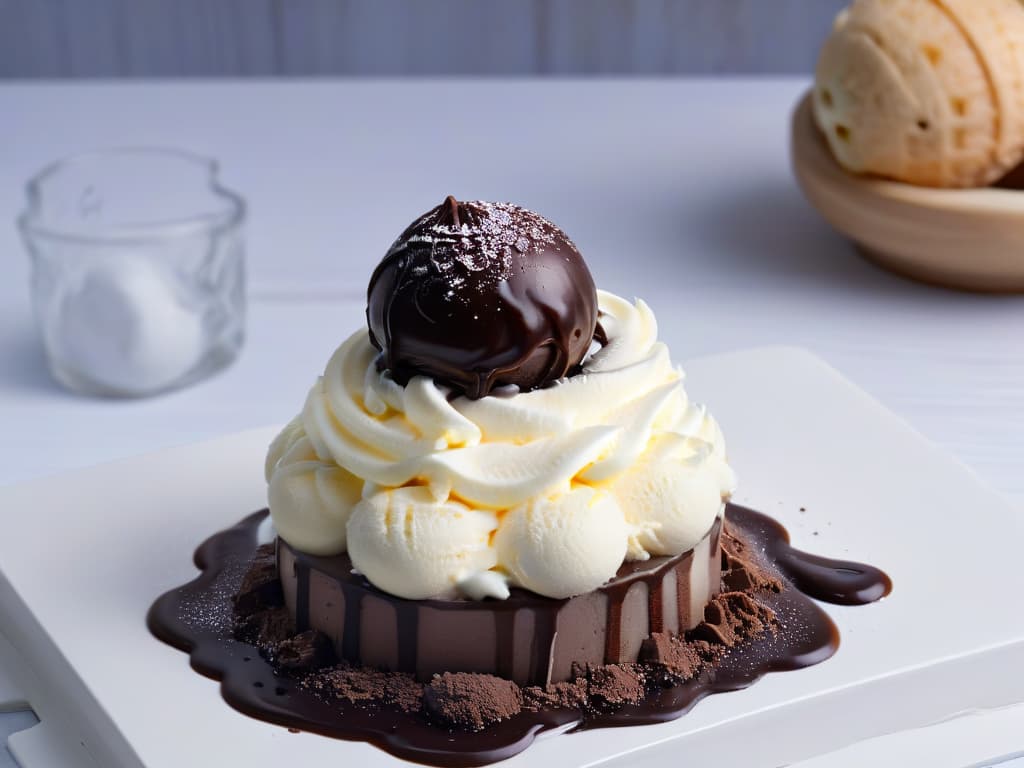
<point>504,646</point>
<point>547,621</point>
<point>481,296</point>
<point>408,632</point>
<point>353,617</point>
<point>804,635</point>
<point>302,597</point>
<point>613,635</point>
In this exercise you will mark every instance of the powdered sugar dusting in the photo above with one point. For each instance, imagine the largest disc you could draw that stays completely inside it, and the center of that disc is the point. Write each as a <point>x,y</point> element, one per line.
<point>479,237</point>
<point>209,608</point>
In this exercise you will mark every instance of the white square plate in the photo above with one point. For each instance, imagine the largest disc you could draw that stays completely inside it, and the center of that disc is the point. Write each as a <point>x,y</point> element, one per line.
<point>83,556</point>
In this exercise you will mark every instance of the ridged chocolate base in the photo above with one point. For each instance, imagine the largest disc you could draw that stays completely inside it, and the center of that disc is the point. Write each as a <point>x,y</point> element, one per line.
<point>527,638</point>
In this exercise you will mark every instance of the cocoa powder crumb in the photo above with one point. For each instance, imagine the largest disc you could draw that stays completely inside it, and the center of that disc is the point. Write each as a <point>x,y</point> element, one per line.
<point>265,629</point>
<point>363,685</point>
<point>732,617</point>
<point>741,569</point>
<point>260,588</point>
<point>305,652</point>
<point>472,701</point>
<point>355,684</point>
<point>679,659</point>
<point>616,683</point>
<point>404,692</point>
<point>567,695</point>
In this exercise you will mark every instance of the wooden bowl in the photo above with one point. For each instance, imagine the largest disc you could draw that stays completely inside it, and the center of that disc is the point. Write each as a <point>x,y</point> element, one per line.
<point>971,239</point>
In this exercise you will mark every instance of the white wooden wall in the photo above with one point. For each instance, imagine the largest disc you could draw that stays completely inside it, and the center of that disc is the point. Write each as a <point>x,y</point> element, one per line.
<point>145,38</point>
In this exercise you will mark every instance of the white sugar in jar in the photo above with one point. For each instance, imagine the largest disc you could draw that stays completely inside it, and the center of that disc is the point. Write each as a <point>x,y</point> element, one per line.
<point>138,274</point>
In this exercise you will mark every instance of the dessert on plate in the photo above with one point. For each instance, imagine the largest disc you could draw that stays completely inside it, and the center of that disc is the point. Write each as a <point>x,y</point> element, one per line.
<point>498,513</point>
<point>505,436</point>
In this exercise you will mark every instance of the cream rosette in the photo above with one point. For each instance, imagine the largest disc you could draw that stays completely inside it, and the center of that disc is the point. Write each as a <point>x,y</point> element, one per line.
<point>550,490</point>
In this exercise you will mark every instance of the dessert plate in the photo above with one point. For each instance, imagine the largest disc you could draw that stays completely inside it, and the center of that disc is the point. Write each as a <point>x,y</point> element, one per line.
<point>83,556</point>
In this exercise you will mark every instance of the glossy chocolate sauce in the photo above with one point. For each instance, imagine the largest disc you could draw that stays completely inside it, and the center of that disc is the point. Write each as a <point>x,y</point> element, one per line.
<point>197,618</point>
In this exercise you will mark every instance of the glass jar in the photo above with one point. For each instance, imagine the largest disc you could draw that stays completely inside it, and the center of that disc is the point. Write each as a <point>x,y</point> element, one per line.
<point>138,270</point>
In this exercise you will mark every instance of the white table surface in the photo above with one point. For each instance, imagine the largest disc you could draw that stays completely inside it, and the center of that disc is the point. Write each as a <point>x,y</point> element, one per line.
<point>676,191</point>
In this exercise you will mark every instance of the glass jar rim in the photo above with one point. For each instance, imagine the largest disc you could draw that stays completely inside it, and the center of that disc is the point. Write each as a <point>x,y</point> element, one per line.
<point>200,223</point>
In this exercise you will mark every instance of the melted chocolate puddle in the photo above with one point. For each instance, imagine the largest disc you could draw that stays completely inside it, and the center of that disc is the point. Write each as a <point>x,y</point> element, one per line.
<point>197,618</point>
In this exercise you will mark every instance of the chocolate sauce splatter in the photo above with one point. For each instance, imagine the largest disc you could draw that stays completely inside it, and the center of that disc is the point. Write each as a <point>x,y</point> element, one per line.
<point>765,623</point>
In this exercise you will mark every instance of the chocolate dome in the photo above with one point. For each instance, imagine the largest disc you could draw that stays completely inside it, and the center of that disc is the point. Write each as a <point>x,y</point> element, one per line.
<point>482,295</point>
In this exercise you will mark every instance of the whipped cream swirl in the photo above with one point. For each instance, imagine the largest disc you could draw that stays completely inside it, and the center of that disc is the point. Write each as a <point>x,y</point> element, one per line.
<point>550,490</point>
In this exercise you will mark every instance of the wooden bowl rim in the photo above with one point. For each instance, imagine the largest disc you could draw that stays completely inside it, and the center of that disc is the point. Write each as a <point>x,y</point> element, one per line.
<point>811,154</point>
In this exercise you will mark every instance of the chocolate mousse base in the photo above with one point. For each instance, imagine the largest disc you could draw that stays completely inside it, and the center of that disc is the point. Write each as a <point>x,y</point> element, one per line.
<point>234,622</point>
<point>527,638</point>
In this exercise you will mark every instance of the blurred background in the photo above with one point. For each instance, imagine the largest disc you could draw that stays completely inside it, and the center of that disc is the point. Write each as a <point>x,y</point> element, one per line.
<point>273,38</point>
